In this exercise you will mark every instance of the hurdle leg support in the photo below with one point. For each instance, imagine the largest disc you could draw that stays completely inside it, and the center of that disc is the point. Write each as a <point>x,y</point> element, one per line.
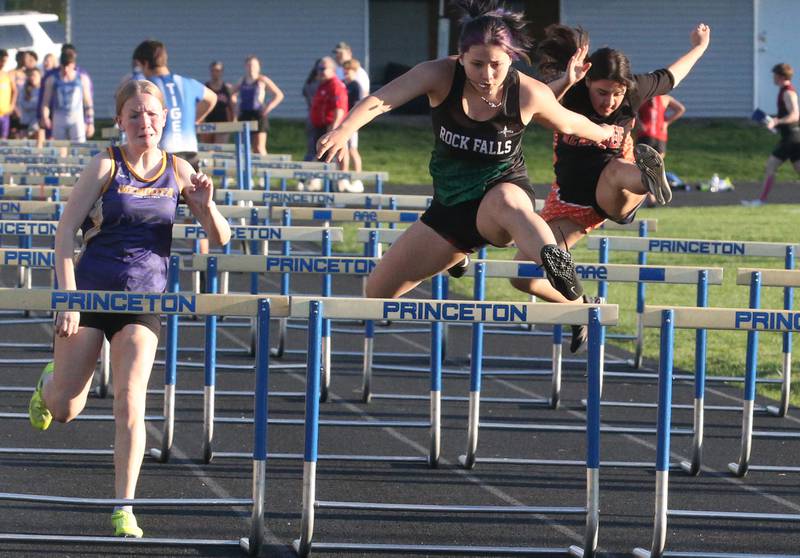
<point>252,544</point>
<point>740,468</point>
<point>366,376</point>
<point>468,459</point>
<point>325,382</point>
<point>283,326</point>
<point>555,382</point>
<point>639,352</point>
<point>660,526</point>
<point>436,429</point>
<point>104,376</point>
<point>693,466</point>
<point>162,454</point>
<point>786,388</point>
<point>302,546</point>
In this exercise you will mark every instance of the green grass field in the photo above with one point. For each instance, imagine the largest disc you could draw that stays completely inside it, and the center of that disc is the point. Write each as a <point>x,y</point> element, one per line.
<point>697,149</point>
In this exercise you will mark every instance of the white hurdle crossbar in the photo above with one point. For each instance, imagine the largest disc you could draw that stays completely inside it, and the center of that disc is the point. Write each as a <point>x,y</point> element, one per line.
<point>788,279</point>
<point>745,319</point>
<point>435,311</point>
<point>724,248</point>
<point>172,304</point>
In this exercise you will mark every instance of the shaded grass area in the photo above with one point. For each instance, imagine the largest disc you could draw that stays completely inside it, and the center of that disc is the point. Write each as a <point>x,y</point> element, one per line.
<point>726,349</point>
<point>697,149</point>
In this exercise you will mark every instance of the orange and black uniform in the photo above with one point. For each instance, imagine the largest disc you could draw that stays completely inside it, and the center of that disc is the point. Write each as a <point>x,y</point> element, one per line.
<point>789,145</point>
<point>578,162</point>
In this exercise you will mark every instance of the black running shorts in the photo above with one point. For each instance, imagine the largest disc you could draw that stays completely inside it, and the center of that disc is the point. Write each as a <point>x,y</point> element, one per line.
<point>110,324</point>
<point>787,150</point>
<point>458,223</point>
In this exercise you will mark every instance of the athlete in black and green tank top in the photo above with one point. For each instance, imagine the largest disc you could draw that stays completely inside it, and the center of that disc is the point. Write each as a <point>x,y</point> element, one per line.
<point>480,107</point>
<point>470,156</point>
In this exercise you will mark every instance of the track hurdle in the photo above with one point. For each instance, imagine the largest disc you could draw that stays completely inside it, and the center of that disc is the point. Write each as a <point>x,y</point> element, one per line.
<point>464,311</point>
<point>639,274</point>
<point>667,319</point>
<point>326,265</point>
<point>268,197</point>
<point>172,304</point>
<point>723,248</point>
<point>788,279</point>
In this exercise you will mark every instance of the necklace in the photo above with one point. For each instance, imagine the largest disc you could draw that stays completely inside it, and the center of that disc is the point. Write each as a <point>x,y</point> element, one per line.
<point>490,103</point>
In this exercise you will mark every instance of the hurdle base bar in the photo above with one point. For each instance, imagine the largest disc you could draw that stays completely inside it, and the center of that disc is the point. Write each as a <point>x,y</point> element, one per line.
<point>61,539</point>
<point>438,549</point>
<point>642,553</point>
<point>328,457</point>
<point>462,399</point>
<point>565,462</point>
<point>678,406</point>
<point>570,428</point>
<point>138,502</point>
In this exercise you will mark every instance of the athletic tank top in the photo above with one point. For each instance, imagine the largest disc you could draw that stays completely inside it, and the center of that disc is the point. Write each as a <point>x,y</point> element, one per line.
<point>469,155</point>
<point>250,95</point>
<point>788,131</point>
<point>68,94</point>
<point>127,235</point>
<point>5,93</point>
<point>651,118</point>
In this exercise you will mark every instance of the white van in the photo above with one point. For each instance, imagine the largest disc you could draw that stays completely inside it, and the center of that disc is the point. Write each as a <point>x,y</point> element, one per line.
<point>27,31</point>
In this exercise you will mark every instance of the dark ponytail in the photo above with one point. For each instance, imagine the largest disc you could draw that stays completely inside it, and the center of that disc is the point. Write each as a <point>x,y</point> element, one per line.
<point>488,22</point>
<point>558,46</point>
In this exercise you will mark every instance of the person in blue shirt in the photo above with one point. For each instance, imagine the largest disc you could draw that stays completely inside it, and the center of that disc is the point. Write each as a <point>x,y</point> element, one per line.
<point>187,100</point>
<point>52,75</point>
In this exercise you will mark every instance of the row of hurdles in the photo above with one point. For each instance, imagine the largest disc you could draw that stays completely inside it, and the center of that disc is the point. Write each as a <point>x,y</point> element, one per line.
<point>663,241</point>
<point>317,309</point>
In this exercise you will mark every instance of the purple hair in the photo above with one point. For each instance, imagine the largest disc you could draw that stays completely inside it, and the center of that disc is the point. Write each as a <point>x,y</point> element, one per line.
<point>487,22</point>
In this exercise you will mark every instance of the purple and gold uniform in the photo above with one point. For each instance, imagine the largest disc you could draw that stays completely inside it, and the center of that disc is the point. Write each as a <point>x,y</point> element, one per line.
<point>128,234</point>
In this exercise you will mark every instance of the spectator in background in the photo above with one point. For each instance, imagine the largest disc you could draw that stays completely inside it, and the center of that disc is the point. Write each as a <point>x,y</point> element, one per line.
<point>50,74</point>
<point>354,94</point>
<point>787,123</point>
<point>67,107</point>
<point>328,109</point>
<point>187,100</point>
<point>49,62</point>
<point>309,90</point>
<point>27,101</point>
<point>24,61</point>
<point>653,122</point>
<point>8,96</point>
<point>342,52</point>
<point>250,98</point>
<point>223,108</point>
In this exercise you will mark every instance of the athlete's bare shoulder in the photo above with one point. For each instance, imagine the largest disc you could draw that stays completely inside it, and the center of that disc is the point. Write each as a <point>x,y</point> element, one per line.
<point>439,74</point>
<point>531,94</point>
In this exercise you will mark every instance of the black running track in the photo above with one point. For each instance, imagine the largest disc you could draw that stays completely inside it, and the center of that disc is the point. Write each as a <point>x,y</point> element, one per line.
<point>626,493</point>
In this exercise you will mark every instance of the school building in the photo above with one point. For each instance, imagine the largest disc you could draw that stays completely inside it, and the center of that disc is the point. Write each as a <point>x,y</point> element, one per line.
<point>748,38</point>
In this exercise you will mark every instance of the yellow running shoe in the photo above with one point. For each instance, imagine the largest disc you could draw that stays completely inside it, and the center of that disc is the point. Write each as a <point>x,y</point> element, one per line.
<point>37,411</point>
<point>125,525</point>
